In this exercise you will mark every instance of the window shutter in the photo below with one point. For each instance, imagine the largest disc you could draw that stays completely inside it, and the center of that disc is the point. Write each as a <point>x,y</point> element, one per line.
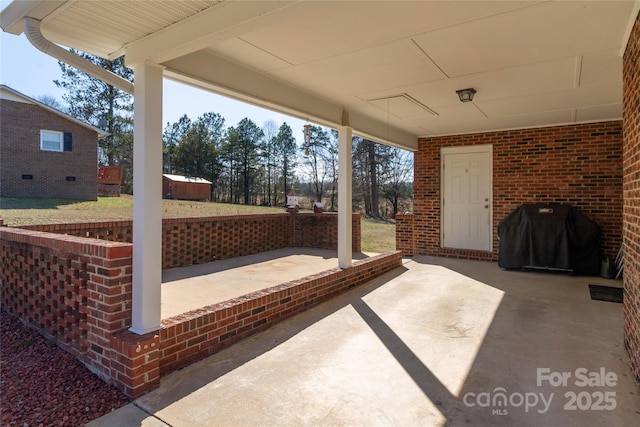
<point>68,141</point>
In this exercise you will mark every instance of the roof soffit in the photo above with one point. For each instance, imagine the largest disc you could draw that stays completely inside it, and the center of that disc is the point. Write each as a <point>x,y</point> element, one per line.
<point>529,61</point>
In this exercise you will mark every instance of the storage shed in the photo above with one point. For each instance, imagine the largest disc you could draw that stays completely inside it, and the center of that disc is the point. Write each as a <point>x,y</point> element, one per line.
<point>186,188</point>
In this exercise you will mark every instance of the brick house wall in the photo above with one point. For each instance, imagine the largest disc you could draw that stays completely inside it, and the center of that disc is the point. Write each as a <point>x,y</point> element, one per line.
<point>576,164</point>
<point>631,189</point>
<point>67,174</point>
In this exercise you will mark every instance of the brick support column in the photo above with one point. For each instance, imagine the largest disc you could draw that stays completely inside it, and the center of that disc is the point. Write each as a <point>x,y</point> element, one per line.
<point>404,234</point>
<point>108,303</point>
<point>135,362</point>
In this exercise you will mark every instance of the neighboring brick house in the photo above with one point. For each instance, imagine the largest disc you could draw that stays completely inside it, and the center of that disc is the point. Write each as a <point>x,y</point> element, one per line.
<point>44,152</point>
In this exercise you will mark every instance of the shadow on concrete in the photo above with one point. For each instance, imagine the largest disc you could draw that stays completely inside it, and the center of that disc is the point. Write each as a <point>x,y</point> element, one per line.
<point>410,362</point>
<point>534,324</point>
<point>263,342</point>
<point>545,325</point>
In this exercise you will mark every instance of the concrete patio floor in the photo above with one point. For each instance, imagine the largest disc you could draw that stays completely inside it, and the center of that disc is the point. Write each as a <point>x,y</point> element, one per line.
<point>192,287</point>
<point>435,342</point>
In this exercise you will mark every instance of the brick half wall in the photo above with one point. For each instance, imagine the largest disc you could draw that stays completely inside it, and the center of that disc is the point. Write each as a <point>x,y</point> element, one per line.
<point>74,290</point>
<point>78,291</point>
<point>188,241</point>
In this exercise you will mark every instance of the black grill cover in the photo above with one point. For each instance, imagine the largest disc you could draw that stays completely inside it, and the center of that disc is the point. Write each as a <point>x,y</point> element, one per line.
<point>549,236</point>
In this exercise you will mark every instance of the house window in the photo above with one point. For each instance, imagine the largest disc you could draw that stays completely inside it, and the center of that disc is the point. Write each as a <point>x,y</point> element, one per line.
<point>51,140</point>
<point>56,141</point>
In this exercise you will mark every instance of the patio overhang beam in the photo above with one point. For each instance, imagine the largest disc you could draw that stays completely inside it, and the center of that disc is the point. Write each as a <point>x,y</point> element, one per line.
<point>210,72</point>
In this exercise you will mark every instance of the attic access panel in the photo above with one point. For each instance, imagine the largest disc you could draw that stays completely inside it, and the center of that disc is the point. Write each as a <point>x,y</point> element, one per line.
<point>402,106</point>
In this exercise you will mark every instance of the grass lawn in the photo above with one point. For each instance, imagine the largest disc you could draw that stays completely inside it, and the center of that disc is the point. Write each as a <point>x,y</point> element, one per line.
<point>377,236</point>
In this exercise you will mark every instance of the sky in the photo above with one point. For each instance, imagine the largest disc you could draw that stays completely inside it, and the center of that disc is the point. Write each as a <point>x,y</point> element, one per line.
<point>31,72</point>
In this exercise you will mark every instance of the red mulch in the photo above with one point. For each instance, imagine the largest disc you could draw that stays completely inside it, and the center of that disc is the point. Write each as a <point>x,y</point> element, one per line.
<point>41,385</point>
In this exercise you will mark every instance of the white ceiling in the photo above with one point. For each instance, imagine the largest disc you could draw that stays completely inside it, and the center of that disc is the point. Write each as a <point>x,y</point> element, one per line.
<point>392,66</point>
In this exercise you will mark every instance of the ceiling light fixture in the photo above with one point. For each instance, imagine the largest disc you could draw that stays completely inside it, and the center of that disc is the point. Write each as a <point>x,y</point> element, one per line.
<point>466,95</point>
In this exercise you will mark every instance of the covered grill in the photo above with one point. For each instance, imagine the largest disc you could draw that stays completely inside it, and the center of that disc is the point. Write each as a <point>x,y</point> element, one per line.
<point>553,236</point>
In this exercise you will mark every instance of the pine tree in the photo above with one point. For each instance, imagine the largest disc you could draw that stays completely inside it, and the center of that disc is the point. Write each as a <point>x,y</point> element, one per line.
<point>194,148</point>
<point>99,104</point>
<point>285,147</point>
<point>317,156</point>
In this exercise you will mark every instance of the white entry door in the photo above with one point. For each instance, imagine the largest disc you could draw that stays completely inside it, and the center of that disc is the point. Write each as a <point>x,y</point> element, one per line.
<point>466,197</point>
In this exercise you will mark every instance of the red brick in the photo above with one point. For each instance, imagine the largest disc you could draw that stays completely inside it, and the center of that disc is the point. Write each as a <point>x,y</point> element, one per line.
<point>528,167</point>
<point>631,190</point>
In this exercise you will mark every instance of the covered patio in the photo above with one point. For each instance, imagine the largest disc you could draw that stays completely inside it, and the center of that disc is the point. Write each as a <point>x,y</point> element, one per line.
<point>434,342</point>
<point>309,59</point>
<point>389,72</point>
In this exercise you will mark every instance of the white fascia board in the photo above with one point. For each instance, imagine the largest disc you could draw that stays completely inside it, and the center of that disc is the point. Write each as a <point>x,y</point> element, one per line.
<point>197,32</point>
<point>11,16</point>
<point>210,72</point>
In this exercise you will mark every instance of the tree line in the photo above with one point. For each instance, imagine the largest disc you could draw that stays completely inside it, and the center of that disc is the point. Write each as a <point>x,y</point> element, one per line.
<point>258,165</point>
<point>245,163</point>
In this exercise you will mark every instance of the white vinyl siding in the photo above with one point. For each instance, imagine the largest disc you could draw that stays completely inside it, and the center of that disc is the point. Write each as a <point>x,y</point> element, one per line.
<point>51,140</point>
